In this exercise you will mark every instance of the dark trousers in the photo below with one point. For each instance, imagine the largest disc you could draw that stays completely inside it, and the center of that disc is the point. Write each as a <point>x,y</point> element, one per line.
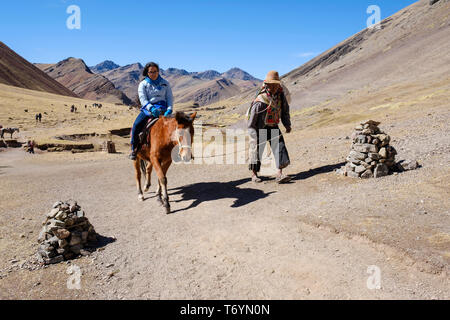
<point>138,125</point>
<point>275,138</point>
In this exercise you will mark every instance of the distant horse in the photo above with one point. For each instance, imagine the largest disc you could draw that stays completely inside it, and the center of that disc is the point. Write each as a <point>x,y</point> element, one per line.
<point>165,135</point>
<point>8,130</point>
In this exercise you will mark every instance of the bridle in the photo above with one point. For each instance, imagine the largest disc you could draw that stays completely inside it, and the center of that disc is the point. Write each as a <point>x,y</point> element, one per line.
<point>181,146</point>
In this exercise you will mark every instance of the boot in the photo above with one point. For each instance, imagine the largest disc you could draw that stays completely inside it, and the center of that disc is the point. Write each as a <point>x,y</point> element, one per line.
<point>133,155</point>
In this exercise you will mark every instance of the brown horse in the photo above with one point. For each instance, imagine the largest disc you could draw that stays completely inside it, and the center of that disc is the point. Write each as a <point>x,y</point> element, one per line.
<point>165,135</point>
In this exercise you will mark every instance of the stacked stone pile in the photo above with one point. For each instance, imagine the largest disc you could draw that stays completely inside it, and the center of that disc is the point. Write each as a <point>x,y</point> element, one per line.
<point>65,234</point>
<point>370,155</point>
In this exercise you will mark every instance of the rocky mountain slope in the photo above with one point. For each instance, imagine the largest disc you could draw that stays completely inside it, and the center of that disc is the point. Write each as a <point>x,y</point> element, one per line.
<point>76,75</point>
<point>104,67</point>
<point>196,87</point>
<point>411,46</point>
<point>18,72</point>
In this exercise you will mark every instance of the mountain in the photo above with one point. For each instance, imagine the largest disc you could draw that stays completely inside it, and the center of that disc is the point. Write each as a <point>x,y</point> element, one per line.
<point>410,47</point>
<point>209,92</point>
<point>126,78</point>
<point>76,75</point>
<point>208,75</point>
<point>104,66</point>
<point>18,72</point>
<point>196,87</point>
<point>236,73</point>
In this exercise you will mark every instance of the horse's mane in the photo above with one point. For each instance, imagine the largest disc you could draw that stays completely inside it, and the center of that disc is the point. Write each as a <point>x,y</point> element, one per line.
<point>183,118</point>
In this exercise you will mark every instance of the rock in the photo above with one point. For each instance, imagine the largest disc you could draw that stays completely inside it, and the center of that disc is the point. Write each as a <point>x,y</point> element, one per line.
<point>61,216</point>
<point>407,165</point>
<point>75,240</point>
<point>73,208</point>
<point>52,213</point>
<point>42,236</point>
<point>54,260</point>
<point>383,153</point>
<point>57,204</point>
<point>361,139</point>
<point>374,156</point>
<point>433,2</point>
<point>62,243</point>
<point>368,131</point>
<point>53,241</point>
<point>54,225</point>
<point>352,174</point>
<point>381,170</point>
<point>353,161</point>
<point>46,253</point>
<point>360,169</point>
<point>357,155</point>
<point>367,174</point>
<point>76,249</point>
<point>365,148</point>
<point>80,214</point>
<point>350,167</point>
<point>62,233</point>
<point>84,236</point>
<point>370,122</point>
<point>391,151</point>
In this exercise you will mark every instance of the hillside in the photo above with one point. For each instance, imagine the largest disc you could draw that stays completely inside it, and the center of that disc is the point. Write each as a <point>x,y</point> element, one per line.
<point>75,75</point>
<point>126,78</point>
<point>16,71</point>
<point>412,46</point>
<point>195,87</point>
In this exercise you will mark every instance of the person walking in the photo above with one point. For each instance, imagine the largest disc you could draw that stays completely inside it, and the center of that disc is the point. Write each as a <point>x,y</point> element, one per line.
<point>267,110</point>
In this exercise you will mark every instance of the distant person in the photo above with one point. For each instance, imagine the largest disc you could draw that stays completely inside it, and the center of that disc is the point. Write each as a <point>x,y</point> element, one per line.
<point>40,117</point>
<point>30,146</point>
<point>37,117</point>
<point>156,98</point>
<point>269,107</point>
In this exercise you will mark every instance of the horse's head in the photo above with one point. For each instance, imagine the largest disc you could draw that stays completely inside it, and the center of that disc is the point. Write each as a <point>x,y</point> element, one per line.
<point>184,134</point>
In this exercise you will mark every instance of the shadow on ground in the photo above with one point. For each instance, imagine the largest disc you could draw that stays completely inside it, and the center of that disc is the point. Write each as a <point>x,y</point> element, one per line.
<point>210,191</point>
<point>102,241</point>
<point>313,172</point>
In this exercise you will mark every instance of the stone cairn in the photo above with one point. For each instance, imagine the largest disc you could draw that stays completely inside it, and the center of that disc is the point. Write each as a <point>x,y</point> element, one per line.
<point>65,234</point>
<point>371,155</point>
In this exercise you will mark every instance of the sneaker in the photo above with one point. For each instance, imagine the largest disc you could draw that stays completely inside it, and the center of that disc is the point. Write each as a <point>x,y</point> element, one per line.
<point>256,179</point>
<point>282,179</point>
<point>132,155</point>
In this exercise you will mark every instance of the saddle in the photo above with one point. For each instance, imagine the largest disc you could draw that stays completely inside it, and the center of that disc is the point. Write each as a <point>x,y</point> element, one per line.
<point>143,136</point>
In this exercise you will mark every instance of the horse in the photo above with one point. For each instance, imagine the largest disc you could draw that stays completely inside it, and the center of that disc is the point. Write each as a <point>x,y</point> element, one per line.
<point>165,135</point>
<point>8,130</point>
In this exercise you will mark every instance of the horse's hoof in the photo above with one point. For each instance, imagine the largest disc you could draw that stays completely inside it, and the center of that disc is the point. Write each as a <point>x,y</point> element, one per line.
<point>168,210</point>
<point>141,197</point>
<point>147,188</point>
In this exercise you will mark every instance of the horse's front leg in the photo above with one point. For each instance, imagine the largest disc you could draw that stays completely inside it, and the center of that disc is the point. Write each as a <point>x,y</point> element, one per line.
<point>165,167</point>
<point>160,171</point>
<point>137,168</point>
<point>148,176</point>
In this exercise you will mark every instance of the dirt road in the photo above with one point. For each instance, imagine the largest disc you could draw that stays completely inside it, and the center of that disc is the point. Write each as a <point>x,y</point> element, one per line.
<point>229,238</point>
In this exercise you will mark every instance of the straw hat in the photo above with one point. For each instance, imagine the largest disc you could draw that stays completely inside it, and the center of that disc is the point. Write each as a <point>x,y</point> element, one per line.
<point>272,77</point>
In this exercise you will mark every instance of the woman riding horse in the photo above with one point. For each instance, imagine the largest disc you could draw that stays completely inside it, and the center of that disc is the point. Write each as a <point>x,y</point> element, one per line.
<point>155,95</point>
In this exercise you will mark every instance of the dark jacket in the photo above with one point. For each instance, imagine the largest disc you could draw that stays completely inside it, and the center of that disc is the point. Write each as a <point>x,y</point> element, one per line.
<point>258,113</point>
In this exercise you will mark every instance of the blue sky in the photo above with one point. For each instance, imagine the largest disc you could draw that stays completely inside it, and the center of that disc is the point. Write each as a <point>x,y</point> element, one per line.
<point>255,35</point>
